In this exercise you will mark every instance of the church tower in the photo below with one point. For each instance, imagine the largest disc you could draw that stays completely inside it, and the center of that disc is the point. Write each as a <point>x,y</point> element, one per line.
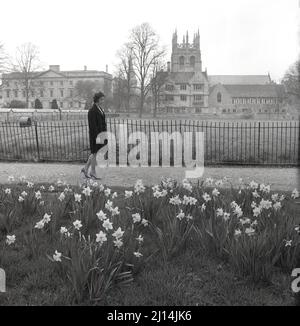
<point>186,57</point>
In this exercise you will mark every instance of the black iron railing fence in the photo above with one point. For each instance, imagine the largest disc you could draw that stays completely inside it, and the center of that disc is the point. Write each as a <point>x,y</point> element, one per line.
<point>237,142</point>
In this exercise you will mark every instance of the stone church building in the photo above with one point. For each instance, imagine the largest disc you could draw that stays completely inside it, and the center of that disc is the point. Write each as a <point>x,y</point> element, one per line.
<point>189,89</point>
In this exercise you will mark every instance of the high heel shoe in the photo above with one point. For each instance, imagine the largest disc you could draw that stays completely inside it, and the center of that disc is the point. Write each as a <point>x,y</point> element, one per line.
<point>85,174</point>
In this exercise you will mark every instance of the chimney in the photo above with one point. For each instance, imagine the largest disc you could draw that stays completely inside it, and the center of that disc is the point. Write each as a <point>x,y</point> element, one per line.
<point>85,68</point>
<point>106,69</point>
<point>169,66</point>
<point>54,67</point>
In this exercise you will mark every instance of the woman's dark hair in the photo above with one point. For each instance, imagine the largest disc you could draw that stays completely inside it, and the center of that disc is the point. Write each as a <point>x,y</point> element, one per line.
<point>97,96</point>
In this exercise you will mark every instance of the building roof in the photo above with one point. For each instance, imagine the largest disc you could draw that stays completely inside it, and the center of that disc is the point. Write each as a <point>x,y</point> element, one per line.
<point>66,74</point>
<point>239,79</point>
<point>252,90</point>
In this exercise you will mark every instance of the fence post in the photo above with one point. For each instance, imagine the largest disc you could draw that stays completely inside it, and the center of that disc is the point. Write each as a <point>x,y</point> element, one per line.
<point>258,142</point>
<point>37,140</point>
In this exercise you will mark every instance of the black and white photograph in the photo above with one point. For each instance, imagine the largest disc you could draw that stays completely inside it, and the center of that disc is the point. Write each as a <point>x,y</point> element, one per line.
<point>149,156</point>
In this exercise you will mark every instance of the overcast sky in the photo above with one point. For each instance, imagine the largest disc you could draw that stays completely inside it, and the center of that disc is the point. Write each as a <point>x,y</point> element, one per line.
<point>237,36</point>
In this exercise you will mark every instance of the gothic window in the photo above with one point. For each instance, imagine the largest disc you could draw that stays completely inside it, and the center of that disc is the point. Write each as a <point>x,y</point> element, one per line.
<point>183,98</point>
<point>192,61</point>
<point>183,87</point>
<point>181,61</point>
<point>219,97</point>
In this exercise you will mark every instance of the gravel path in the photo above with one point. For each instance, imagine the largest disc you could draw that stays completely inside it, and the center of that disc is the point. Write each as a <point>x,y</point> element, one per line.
<point>278,178</point>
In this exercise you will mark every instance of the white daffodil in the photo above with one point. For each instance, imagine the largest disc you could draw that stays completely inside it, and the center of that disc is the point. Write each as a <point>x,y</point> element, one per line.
<point>11,178</point>
<point>206,197</point>
<point>209,181</point>
<point>156,188</point>
<point>57,256</point>
<point>136,218</point>
<point>128,194</point>
<point>250,231</point>
<point>256,211</point>
<point>30,184</point>
<point>7,191</point>
<point>114,195</point>
<point>61,197</point>
<point>115,211</point>
<point>288,243</point>
<point>101,187</point>
<point>295,194</point>
<point>187,186</point>
<point>237,232</point>
<point>181,215</point>
<point>277,206</point>
<point>21,199</point>
<point>38,195</point>
<point>107,225</point>
<point>77,224</point>
<point>226,217</point>
<point>275,197</point>
<point>10,239</point>
<point>77,198</point>
<point>109,205</point>
<point>256,194</point>
<point>101,215</point>
<point>107,192</point>
<point>175,200</point>
<point>118,243</point>
<point>47,218</point>
<point>215,192</point>
<point>265,204</point>
<point>140,239</point>
<point>87,191</point>
<point>24,194</point>
<point>118,233</point>
<point>139,187</point>
<point>253,185</point>
<point>245,221</point>
<point>39,225</point>
<point>42,188</point>
<point>63,230</point>
<point>145,222</point>
<point>101,237</point>
<point>137,254</point>
<point>51,188</point>
<point>203,207</point>
<point>220,212</point>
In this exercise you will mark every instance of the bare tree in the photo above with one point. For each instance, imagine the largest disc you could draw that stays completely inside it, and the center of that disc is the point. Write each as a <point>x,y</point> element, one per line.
<point>144,43</point>
<point>26,64</point>
<point>126,73</point>
<point>291,80</point>
<point>158,80</point>
<point>3,58</point>
<point>85,90</point>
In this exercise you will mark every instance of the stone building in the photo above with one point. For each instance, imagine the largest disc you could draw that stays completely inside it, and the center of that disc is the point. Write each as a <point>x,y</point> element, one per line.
<point>53,84</point>
<point>186,88</point>
<point>189,89</point>
<point>246,94</point>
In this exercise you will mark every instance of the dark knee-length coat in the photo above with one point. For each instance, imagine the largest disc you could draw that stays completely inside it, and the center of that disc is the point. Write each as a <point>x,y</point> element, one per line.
<point>97,124</point>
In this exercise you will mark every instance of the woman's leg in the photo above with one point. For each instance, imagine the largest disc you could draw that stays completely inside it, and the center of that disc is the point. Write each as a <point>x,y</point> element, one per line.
<point>88,164</point>
<point>93,164</point>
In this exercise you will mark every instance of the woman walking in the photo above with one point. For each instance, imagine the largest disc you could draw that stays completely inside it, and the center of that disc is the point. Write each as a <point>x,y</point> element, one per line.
<point>97,124</point>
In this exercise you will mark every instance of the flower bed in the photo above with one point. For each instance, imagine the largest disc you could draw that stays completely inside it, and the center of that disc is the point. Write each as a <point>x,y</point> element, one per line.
<point>83,244</point>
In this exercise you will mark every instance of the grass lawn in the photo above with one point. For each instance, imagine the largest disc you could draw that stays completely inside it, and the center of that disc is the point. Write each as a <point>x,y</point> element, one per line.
<point>196,271</point>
